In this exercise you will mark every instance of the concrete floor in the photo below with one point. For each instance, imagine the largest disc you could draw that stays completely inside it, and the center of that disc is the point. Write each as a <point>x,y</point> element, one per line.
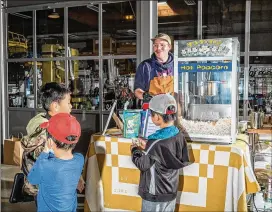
<point>7,176</point>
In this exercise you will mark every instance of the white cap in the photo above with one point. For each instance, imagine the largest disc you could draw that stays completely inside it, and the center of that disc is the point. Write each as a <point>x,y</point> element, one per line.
<point>160,104</point>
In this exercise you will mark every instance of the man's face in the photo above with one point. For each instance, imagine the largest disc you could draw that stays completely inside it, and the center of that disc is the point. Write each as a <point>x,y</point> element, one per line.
<point>64,106</point>
<point>161,49</point>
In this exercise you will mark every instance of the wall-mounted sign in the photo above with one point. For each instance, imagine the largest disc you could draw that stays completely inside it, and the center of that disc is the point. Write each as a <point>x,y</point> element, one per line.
<point>204,67</point>
<point>205,48</point>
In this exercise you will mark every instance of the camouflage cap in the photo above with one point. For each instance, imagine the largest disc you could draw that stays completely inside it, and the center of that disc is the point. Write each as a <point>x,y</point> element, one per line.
<point>162,36</point>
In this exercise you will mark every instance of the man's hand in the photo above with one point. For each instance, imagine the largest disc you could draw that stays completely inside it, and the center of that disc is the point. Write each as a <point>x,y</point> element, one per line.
<point>81,184</point>
<point>139,93</point>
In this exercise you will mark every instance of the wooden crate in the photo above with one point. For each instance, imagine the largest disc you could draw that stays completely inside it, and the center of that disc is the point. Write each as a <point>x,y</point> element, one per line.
<point>126,47</point>
<point>109,45</point>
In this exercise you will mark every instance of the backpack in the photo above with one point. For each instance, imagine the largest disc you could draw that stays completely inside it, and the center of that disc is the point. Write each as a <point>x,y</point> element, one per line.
<point>33,145</point>
<point>16,193</point>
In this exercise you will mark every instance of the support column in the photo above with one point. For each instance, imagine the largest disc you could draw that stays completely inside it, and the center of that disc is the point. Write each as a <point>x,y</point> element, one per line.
<point>246,65</point>
<point>101,73</point>
<point>199,19</point>
<point>3,117</point>
<point>147,27</point>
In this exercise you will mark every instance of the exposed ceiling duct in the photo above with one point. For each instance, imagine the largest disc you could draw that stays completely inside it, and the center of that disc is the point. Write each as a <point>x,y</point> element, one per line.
<point>190,2</point>
<point>94,8</point>
<point>162,2</point>
<point>21,15</point>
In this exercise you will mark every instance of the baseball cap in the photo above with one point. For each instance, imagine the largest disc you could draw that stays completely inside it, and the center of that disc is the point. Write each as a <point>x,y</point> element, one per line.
<point>161,102</point>
<point>162,36</point>
<point>62,125</point>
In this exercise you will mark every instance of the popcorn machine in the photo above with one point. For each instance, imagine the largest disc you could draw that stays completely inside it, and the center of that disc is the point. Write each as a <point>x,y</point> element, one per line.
<point>206,79</point>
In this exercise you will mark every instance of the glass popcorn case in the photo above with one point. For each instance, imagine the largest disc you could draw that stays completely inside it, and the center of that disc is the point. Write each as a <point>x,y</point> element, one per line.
<point>206,79</point>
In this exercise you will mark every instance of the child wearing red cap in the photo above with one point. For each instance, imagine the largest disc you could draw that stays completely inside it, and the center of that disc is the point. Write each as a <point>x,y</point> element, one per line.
<point>57,174</point>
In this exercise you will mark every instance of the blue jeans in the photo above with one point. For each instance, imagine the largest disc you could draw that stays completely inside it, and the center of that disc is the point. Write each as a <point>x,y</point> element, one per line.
<point>158,206</point>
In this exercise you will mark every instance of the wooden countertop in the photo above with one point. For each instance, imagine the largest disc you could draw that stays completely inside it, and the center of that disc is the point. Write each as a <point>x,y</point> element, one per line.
<point>266,129</point>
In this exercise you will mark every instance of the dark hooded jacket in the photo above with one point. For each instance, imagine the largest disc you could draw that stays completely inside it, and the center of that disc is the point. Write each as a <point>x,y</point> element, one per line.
<point>151,68</point>
<point>159,165</point>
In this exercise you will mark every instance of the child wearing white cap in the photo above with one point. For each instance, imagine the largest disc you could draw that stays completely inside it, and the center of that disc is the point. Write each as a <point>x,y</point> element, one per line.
<point>164,154</point>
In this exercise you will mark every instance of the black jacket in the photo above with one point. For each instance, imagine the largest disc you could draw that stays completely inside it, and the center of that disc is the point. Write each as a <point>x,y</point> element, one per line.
<point>159,165</point>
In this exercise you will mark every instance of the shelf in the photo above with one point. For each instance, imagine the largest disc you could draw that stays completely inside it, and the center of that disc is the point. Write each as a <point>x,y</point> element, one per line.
<point>264,77</point>
<point>21,109</point>
<point>261,86</point>
<point>263,154</point>
<point>265,130</point>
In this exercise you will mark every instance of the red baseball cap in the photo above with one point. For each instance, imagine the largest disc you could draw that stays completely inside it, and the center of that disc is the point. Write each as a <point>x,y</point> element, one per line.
<point>62,125</point>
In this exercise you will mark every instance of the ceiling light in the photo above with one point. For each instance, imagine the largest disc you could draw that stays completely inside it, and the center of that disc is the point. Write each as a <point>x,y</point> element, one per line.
<point>94,8</point>
<point>129,17</point>
<point>54,14</point>
<point>21,15</point>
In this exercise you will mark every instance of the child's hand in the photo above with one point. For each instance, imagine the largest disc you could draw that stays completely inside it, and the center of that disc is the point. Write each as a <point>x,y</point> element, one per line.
<point>81,184</point>
<point>142,143</point>
<point>139,142</point>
